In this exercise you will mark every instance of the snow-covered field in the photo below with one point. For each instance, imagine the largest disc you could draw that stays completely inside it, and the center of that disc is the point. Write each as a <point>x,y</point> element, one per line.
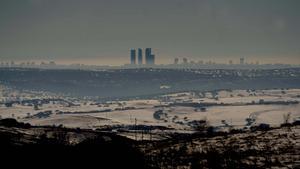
<point>238,105</point>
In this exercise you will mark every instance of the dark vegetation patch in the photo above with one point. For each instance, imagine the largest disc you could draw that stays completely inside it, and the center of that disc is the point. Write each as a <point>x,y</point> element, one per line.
<point>263,147</point>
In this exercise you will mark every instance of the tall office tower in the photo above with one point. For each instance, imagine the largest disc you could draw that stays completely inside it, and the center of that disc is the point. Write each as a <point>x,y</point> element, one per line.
<point>150,58</point>
<point>132,56</point>
<point>147,55</point>
<point>176,60</point>
<point>242,61</point>
<point>140,56</point>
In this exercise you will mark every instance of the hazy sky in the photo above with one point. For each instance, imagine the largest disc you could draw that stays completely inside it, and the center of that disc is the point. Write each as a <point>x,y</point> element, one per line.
<point>102,31</point>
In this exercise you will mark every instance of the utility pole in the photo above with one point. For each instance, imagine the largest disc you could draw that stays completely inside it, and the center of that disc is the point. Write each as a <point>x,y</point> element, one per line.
<point>135,127</point>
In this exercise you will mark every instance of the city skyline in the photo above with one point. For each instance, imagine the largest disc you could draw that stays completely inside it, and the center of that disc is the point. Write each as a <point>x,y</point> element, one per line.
<point>136,60</point>
<point>136,57</point>
<point>100,32</point>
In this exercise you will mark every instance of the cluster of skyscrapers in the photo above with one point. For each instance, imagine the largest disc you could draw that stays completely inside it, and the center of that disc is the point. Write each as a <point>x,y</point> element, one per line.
<point>149,57</point>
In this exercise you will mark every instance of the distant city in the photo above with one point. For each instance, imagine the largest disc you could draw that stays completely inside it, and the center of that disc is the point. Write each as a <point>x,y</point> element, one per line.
<point>149,57</point>
<point>136,60</point>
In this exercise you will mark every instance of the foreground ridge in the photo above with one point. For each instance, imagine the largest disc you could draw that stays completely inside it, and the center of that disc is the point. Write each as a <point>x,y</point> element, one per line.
<point>273,148</point>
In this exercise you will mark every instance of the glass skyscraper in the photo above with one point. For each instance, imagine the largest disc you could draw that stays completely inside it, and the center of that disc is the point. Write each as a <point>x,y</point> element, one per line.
<point>140,56</point>
<point>150,58</point>
<point>132,56</point>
